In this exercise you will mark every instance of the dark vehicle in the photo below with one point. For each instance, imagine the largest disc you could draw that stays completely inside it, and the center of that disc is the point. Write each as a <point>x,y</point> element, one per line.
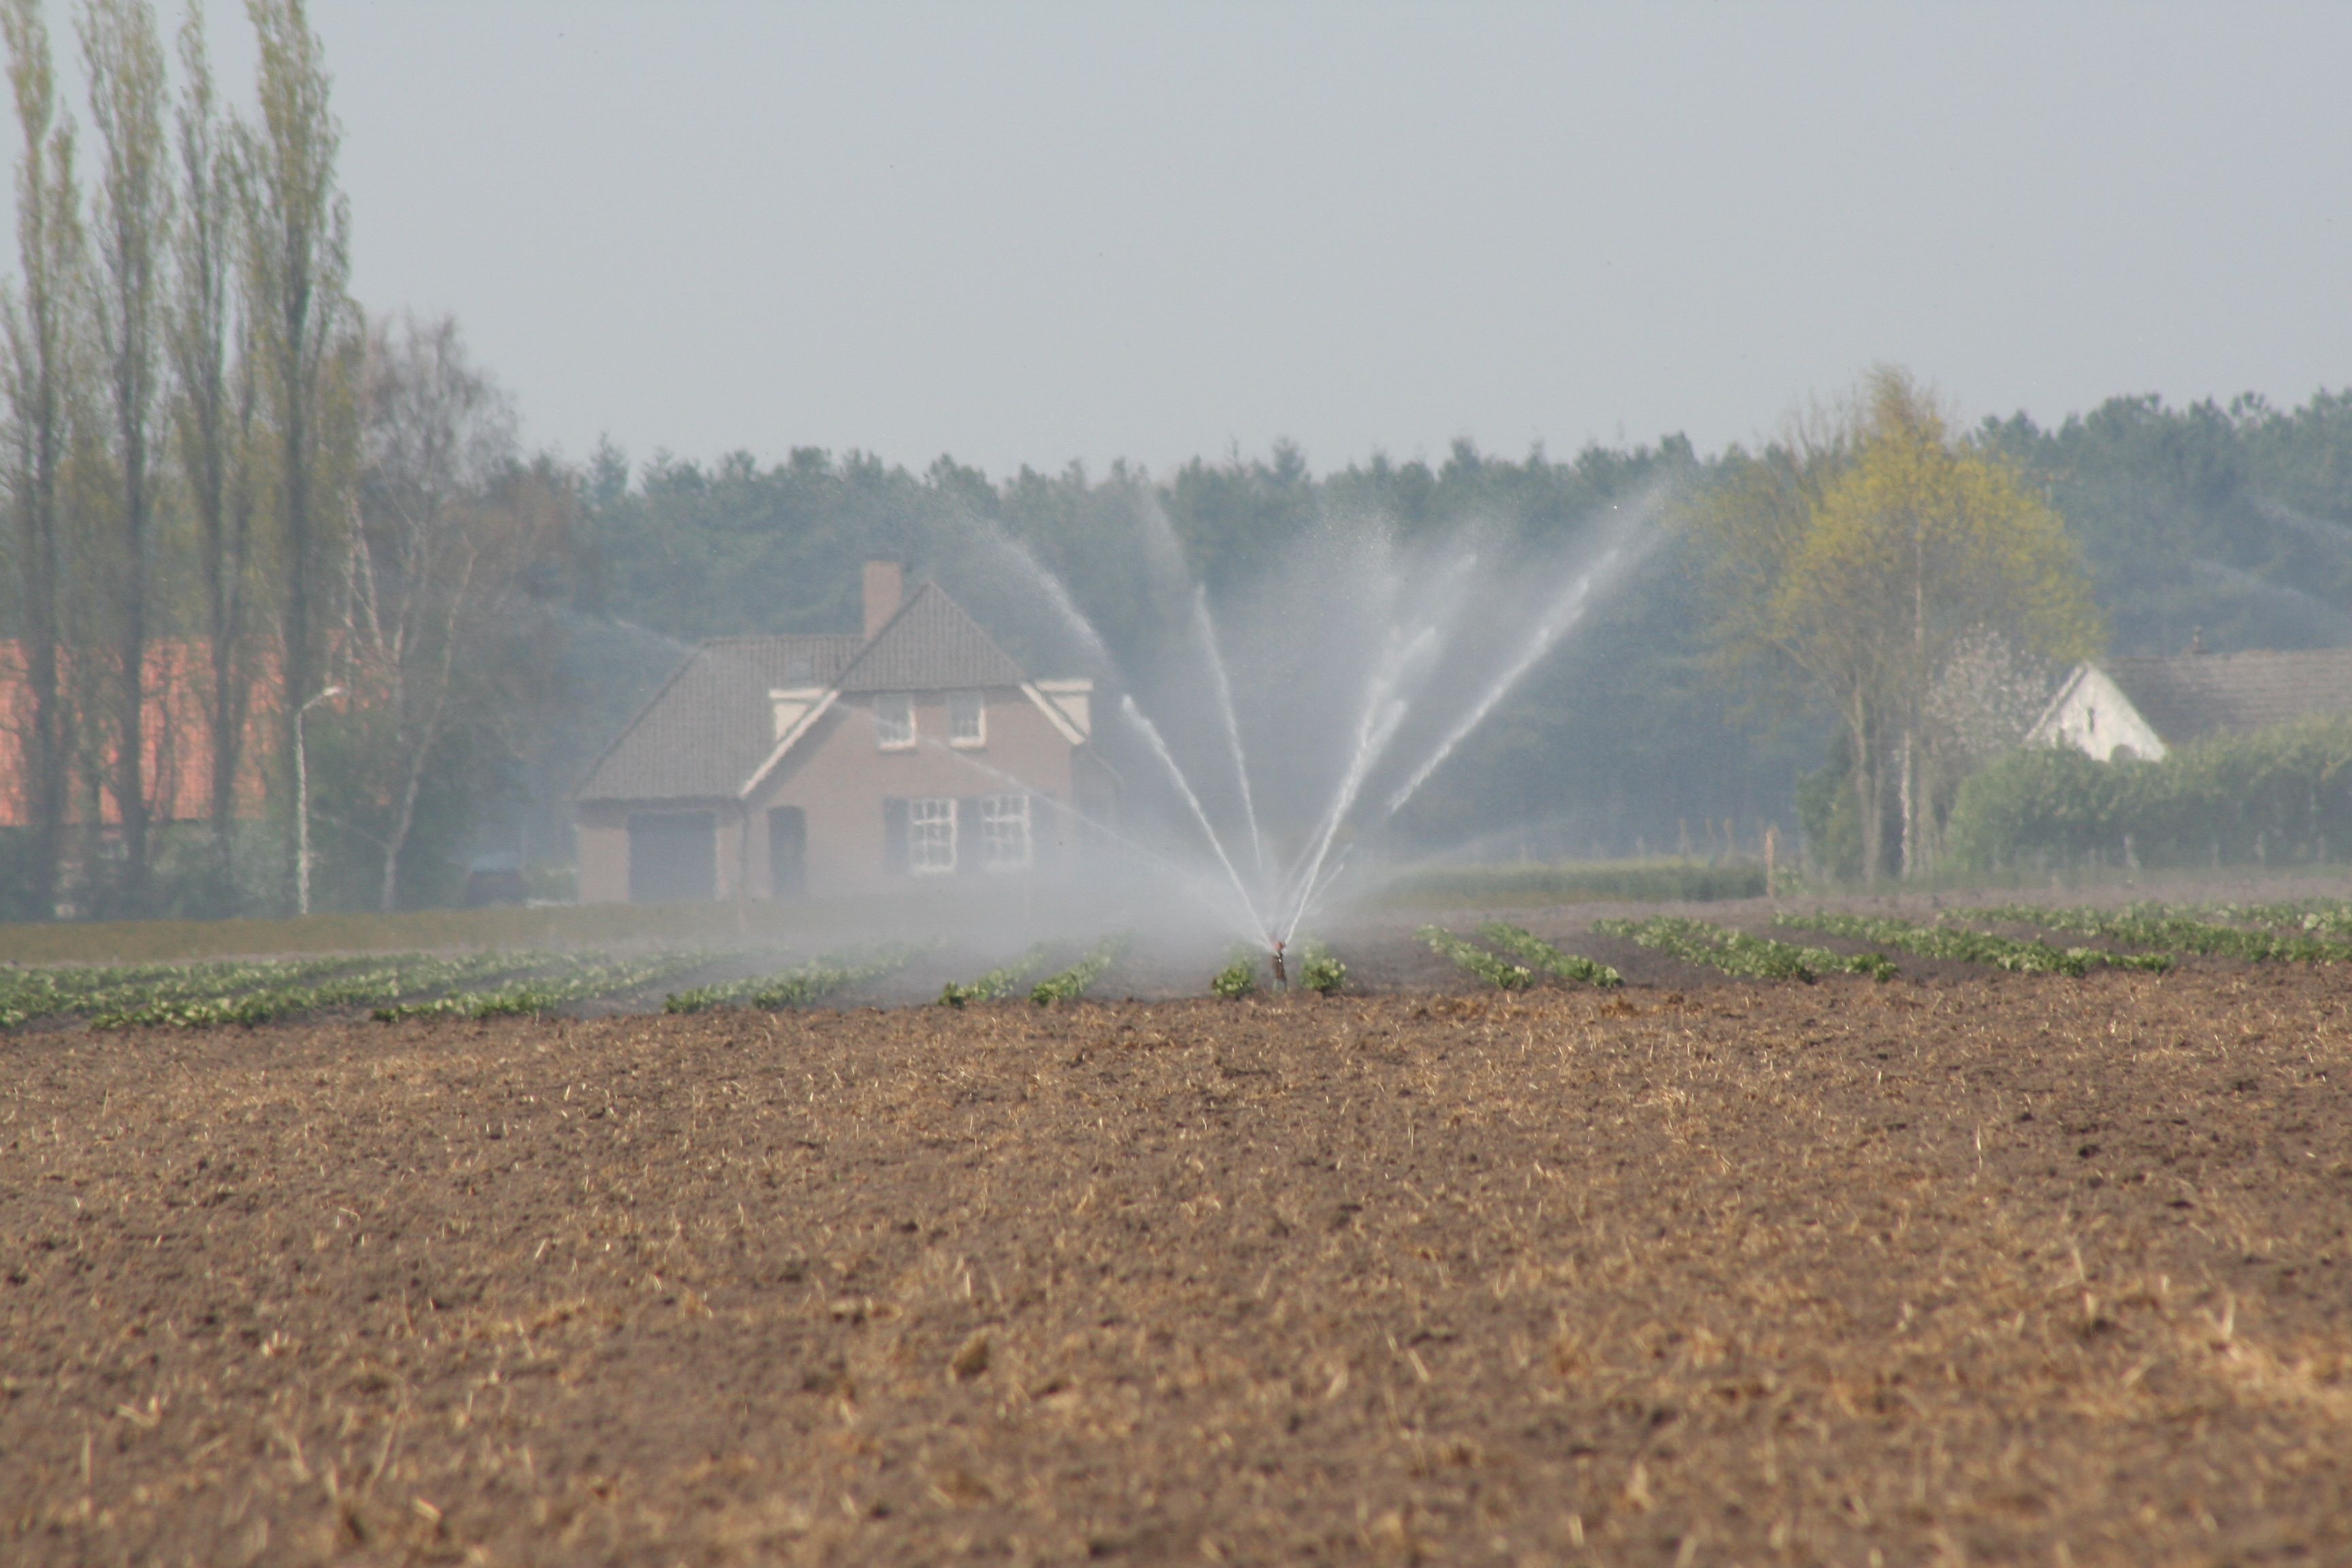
<point>494,879</point>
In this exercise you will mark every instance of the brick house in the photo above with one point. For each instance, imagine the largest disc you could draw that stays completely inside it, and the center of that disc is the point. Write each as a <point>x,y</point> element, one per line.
<point>770,768</point>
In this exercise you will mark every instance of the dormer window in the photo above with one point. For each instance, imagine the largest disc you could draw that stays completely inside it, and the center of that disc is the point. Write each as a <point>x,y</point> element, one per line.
<point>967,720</point>
<point>894,721</point>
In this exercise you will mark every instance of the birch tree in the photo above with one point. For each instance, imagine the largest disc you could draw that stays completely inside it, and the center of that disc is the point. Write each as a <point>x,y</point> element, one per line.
<point>446,523</point>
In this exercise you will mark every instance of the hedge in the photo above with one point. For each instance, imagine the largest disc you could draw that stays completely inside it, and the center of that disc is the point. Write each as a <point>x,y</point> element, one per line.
<point>2276,796</point>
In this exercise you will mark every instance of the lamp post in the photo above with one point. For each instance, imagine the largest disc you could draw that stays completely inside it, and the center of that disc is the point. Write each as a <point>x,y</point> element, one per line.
<point>302,804</point>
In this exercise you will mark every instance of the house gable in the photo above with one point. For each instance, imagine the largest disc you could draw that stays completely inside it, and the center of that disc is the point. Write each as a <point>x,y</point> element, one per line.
<point>2154,704</point>
<point>930,645</point>
<point>2093,715</point>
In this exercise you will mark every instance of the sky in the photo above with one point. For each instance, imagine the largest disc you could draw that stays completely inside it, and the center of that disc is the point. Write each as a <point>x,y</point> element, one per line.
<point>1028,234</point>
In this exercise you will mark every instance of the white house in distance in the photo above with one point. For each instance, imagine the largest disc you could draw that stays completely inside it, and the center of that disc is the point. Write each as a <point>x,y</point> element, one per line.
<point>2143,707</point>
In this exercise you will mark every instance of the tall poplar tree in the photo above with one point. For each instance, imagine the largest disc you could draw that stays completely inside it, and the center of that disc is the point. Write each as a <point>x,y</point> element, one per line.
<point>131,218</point>
<point>40,327</point>
<point>215,406</point>
<point>296,227</point>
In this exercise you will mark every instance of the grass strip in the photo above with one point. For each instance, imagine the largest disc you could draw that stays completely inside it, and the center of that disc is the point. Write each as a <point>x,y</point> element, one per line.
<point>1739,953</point>
<point>1537,953</point>
<point>1962,945</point>
<point>801,987</point>
<point>1477,960</point>
<point>1074,982</point>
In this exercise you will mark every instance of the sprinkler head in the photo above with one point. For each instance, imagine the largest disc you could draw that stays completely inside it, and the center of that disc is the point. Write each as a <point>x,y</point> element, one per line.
<point>1281,976</point>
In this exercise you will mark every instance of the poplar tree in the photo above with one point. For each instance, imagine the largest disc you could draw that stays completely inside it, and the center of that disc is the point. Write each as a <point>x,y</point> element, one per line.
<point>40,326</point>
<point>296,228</point>
<point>131,217</point>
<point>215,406</point>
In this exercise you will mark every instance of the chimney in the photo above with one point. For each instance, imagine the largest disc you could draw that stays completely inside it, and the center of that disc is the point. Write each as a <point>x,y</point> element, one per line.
<point>883,589</point>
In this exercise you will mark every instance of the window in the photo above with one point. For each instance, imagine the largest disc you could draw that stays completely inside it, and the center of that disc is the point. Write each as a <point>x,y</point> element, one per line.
<point>967,719</point>
<point>931,837</point>
<point>894,721</point>
<point>1004,832</point>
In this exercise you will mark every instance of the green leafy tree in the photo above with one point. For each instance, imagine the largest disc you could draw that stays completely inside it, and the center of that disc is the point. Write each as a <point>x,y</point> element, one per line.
<point>1862,563</point>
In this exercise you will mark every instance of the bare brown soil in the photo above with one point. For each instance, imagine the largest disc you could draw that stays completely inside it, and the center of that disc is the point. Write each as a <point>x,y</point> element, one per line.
<point>2043,1271</point>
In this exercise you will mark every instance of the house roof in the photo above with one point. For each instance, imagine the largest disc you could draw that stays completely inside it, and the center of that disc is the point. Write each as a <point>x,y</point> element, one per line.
<point>706,729</point>
<point>930,645</point>
<point>712,727</point>
<point>2193,695</point>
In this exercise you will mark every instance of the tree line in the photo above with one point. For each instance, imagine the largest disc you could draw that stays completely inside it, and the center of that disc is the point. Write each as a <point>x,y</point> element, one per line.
<point>248,519</point>
<point>237,503</point>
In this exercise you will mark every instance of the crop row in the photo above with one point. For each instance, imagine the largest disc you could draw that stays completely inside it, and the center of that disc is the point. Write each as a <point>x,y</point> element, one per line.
<point>1961,945</point>
<point>583,979</point>
<point>1074,982</point>
<point>1739,953</point>
<point>997,984</point>
<point>1528,954</point>
<point>1537,953</point>
<point>2213,931</point>
<point>364,984</point>
<point>800,986</point>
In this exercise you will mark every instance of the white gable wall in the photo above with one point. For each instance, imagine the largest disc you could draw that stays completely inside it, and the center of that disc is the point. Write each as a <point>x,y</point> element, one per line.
<point>2092,714</point>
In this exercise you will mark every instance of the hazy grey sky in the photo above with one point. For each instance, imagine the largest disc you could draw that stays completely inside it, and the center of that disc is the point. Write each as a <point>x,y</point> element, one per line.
<point>1028,233</point>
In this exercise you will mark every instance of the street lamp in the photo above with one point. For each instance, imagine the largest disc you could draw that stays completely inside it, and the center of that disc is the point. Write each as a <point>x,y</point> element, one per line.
<point>302,804</point>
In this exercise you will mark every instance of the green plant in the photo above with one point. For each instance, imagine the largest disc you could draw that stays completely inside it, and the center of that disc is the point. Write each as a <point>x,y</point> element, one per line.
<point>1477,960</point>
<point>800,986</point>
<point>1737,952</point>
<point>1072,982</point>
<point>997,984</point>
<point>1961,945</point>
<point>1535,952</point>
<point>1319,970</point>
<point>2274,795</point>
<point>582,981</point>
<point>1238,978</point>
<point>2205,931</point>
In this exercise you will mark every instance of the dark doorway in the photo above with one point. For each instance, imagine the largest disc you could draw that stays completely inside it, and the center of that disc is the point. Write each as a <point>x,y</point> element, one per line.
<point>787,852</point>
<point>673,857</point>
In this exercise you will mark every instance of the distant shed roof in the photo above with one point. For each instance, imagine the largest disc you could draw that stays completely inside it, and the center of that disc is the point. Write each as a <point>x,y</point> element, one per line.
<point>706,730</point>
<point>2193,695</point>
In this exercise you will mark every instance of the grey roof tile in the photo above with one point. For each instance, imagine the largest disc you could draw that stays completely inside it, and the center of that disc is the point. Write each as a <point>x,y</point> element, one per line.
<point>2193,695</point>
<point>705,730</point>
<point>930,645</point>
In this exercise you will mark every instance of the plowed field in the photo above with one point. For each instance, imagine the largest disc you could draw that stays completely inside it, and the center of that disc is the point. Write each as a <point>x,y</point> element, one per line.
<point>1997,1270</point>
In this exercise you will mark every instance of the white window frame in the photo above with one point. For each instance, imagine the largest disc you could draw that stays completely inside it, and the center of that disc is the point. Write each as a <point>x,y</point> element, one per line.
<point>1007,841</point>
<point>894,721</point>
<point>931,837</point>
<point>971,704</point>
